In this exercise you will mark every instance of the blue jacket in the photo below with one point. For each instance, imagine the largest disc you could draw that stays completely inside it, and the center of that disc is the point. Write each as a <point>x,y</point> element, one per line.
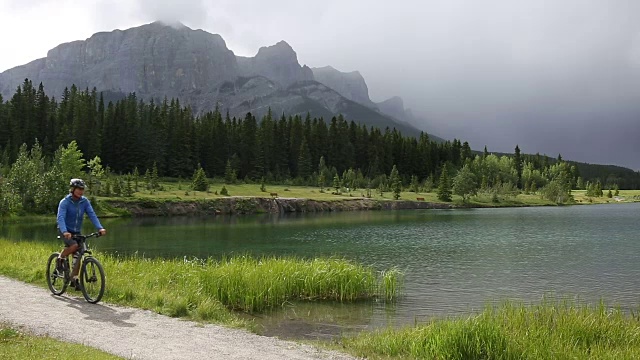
<point>71,213</point>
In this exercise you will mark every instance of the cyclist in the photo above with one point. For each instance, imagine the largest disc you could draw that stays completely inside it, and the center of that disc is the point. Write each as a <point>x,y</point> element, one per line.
<point>70,215</point>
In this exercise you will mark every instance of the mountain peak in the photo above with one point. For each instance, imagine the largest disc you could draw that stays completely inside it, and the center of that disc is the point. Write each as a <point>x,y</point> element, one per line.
<point>350,85</point>
<point>281,50</point>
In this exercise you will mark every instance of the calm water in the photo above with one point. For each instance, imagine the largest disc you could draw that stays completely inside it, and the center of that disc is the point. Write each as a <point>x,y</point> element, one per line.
<point>455,261</point>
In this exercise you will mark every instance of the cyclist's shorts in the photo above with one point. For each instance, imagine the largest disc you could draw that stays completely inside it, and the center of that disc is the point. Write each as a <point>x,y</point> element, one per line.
<point>68,242</point>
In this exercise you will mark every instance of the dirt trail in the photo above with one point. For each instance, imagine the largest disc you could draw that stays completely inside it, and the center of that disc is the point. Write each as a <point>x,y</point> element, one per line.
<point>138,334</point>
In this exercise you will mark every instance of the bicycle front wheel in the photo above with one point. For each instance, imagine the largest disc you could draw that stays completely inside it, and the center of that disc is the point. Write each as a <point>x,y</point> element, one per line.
<point>56,281</point>
<point>92,280</point>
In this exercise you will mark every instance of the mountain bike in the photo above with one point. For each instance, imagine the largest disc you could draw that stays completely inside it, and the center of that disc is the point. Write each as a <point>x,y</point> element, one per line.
<point>92,279</point>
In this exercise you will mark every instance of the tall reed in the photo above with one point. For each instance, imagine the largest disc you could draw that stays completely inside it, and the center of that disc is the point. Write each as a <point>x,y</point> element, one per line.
<point>549,330</point>
<point>207,288</point>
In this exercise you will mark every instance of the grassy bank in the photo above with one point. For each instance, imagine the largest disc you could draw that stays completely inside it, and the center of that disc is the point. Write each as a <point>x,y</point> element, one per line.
<point>207,289</point>
<point>551,330</point>
<point>17,344</point>
<point>181,191</point>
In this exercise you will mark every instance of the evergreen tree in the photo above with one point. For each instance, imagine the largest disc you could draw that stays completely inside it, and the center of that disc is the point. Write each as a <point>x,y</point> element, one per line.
<point>136,178</point>
<point>263,187</point>
<point>430,183</point>
<point>337,184</point>
<point>444,187</point>
<point>147,179</point>
<point>128,190</point>
<point>229,173</point>
<point>155,185</point>
<point>304,161</point>
<point>517,159</point>
<point>415,184</point>
<point>396,184</point>
<point>199,180</point>
<point>117,186</point>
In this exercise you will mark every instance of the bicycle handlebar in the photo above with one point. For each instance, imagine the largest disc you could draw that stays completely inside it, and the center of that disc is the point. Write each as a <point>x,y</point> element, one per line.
<point>84,237</point>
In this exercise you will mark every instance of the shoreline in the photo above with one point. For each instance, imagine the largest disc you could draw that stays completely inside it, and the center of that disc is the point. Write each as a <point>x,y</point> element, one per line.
<point>245,205</point>
<point>248,205</point>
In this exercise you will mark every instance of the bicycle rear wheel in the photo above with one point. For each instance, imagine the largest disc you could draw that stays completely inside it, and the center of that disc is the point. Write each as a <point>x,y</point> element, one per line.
<point>92,279</point>
<point>57,282</point>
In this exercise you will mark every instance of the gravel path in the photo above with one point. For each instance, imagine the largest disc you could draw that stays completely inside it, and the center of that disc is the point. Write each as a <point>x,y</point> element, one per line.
<point>137,334</point>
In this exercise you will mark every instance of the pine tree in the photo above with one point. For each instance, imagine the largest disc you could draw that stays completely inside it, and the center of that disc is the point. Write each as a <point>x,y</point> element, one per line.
<point>304,161</point>
<point>117,186</point>
<point>396,184</point>
<point>430,183</point>
<point>517,159</point>
<point>337,184</point>
<point>444,187</point>
<point>155,185</point>
<point>199,181</point>
<point>136,178</point>
<point>229,173</point>
<point>263,187</point>
<point>322,173</point>
<point>128,189</point>
<point>415,185</point>
<point>147,179</point>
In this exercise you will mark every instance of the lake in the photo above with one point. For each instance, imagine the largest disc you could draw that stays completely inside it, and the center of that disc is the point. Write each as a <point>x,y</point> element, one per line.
<point>455,261</point>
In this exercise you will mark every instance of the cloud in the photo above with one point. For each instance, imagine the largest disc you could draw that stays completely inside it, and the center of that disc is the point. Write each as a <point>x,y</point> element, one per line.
<point>553,75</point>
<point>192,12</point>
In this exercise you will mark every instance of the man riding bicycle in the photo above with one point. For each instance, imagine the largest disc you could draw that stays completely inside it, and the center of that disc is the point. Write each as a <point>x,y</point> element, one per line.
<point>70,215</point>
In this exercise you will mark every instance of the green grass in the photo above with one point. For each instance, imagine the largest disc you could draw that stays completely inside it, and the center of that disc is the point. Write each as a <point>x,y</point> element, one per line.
<point>17,344</point>
<point>207,289</point>
<point>550,330</point>
<point>628,196</point>
<point>181,191</point>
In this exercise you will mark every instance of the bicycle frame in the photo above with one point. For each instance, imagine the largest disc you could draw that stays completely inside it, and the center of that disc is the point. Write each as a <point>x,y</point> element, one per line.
<point>83,259</point>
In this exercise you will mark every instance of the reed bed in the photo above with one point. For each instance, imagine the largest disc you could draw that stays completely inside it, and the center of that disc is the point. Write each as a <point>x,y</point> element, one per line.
<point>206,289</point>
<point>550,330</point>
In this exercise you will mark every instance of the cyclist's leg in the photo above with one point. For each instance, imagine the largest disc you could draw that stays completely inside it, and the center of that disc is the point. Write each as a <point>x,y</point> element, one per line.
<point>71,246</point>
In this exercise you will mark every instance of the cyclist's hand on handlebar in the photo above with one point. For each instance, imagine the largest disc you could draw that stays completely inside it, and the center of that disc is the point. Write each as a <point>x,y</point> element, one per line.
<point>67,235</point>
<point>102,232</point>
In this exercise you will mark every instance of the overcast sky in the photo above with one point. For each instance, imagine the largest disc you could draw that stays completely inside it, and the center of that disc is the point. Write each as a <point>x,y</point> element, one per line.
<point>551,76</point>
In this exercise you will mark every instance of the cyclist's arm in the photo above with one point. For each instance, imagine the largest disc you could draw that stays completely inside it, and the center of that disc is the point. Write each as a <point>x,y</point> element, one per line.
<point>93,217</point>
<point>62,212</point>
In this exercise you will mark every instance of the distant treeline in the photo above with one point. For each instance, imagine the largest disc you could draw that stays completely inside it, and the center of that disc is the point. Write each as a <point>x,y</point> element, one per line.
<point>131,134</point>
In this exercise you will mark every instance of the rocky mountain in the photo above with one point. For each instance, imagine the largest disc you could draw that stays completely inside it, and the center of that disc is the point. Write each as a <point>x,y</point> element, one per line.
<point>393,107</point>
<point>278,63</point>
<point>159,60</point>
<point>350,85</point>
<point>150,60</point>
